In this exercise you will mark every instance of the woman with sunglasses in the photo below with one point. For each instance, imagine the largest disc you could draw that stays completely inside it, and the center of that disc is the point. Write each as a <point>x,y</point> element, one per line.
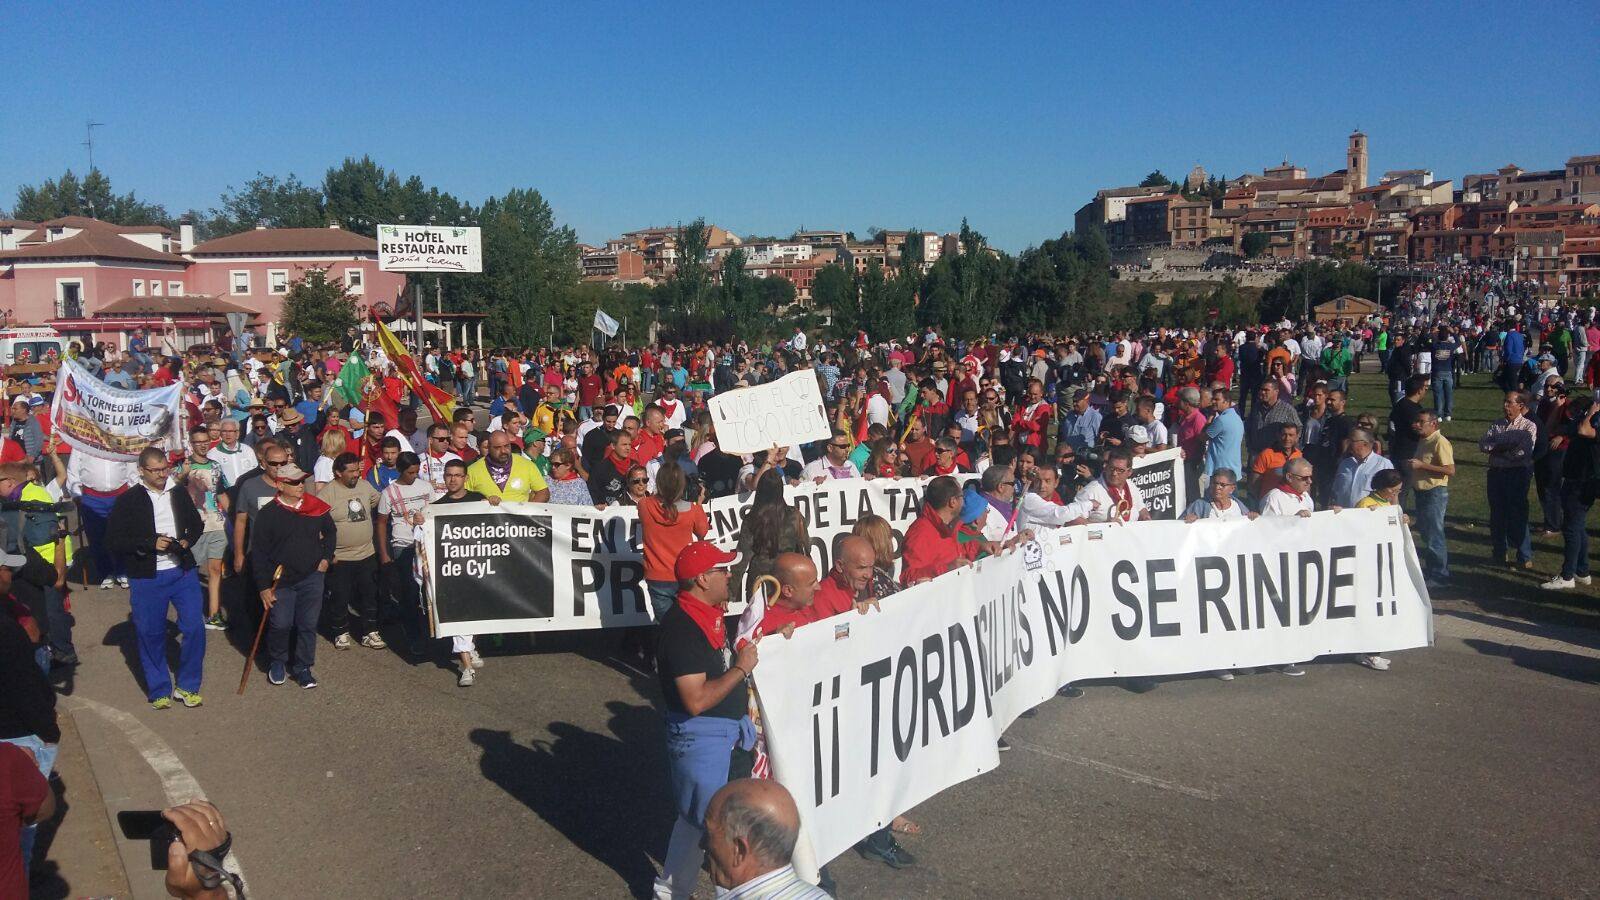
<point>636,484</point>
<point>566,481</point>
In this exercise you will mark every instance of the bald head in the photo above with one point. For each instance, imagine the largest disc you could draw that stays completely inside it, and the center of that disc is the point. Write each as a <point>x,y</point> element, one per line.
<point>855,561</point>
<point>751,829</point>
<point>1297,466</point>
<point>797,580</point>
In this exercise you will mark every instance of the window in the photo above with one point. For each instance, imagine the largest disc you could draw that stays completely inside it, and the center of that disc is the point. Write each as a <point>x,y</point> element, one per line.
<point>175,288</point>
<point>69,298</point>
<point>138,287</point>
<point>239,282</point>
<point>277,281</point>
<point>354,280</point>
<point>155,287</point>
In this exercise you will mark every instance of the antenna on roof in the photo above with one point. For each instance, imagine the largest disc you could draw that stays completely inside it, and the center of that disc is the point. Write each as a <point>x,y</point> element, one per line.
<point>89,128</point>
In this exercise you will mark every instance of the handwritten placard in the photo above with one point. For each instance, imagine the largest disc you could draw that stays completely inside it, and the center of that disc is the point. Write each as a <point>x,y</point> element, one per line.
<point>783,413</point>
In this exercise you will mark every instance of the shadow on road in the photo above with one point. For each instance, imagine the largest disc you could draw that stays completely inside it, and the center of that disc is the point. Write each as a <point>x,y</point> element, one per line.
<point>44,879</point>
<point>605,793</point>
<point>1551,662</point>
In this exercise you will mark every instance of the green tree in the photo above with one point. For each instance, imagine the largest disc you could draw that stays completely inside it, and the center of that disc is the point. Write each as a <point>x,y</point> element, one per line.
<point>530,268</point>
<point>887,306</point>
<point>266,199</point>
<point>740,299</point>
<point>833,293</point>
<point>1155,179</point>
<point>1230,307</point>
<point>1253,244</point>
<point>1144,310</point>
<point>1311,283</point>
<point>92,196</point>
<point>318,308</point>
<point>776,293</point>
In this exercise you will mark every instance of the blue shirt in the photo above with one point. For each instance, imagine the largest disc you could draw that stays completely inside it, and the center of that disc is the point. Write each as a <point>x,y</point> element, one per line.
<point>309,409</point>
<point>1353,480</point>
<point>121,379</point>
<point>1224,441</point>
<point>1515,348</point>
<point>1081,430</point>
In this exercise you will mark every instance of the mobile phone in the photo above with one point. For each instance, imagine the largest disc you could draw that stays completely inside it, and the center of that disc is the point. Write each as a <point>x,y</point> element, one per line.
<point>148,825</point>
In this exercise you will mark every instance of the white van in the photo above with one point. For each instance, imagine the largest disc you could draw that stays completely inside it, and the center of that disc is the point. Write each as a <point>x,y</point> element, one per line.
<point>30,346</point>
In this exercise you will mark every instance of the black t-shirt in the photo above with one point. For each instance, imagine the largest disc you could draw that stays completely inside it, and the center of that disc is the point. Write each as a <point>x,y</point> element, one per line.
<point>468,497</point>
<point>682,649</point>
<point>720,472</point>
<point>1402,435</point>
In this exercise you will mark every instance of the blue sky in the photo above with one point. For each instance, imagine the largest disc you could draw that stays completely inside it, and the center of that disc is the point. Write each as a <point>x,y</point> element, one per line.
<point>763,116</point>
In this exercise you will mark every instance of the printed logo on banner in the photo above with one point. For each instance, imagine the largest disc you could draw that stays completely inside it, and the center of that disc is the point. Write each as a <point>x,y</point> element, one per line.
<point>1033,556</point>
<point>493,566</point>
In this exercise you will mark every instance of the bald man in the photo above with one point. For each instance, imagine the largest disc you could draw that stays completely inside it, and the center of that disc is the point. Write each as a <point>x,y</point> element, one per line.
<point>751,829</point>
<point>847,583</point>
<point>797,589</point>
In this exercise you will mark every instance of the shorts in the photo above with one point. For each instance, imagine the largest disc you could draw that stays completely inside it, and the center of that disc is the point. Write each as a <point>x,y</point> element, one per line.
<point>212,545</point>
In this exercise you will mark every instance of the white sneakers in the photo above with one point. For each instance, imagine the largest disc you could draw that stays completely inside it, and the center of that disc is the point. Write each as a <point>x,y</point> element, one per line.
<point>343,641</point>
<point>467,677</point>
<point>1375,662</point>
<point>1559,584</point>
<point>477,661</point>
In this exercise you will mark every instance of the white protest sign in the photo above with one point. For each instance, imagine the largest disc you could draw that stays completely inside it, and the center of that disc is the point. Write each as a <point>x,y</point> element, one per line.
<point>1161,483</point>
<point>866,716</point>
<point>430,248</point>
<point>782,413</point>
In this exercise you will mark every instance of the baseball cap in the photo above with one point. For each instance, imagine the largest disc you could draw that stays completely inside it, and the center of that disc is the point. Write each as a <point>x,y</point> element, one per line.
<point>1138,434</point>
<point>13,560</point>
<point>533,434</point>
<point>699,558</point>
<point>673,434</point>
<point>35,400</point>
<point>973,507</point>
<point>290,472</point>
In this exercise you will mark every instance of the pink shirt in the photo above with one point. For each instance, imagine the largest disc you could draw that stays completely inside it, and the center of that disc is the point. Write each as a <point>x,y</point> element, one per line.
<point>1192,434</point>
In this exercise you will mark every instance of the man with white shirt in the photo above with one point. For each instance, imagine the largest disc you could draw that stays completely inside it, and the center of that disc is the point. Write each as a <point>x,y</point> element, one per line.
<point>1113,497</point>
<point>96,484</point>
<point>752,827</point>
<point>676,411</point>
<point>835,462</point>
<point>232,457</point>
<point>1291,498</point>
<point>798,342</point>
<point>152,528</point>
<point>1042,507</point>
<point>438,455</point>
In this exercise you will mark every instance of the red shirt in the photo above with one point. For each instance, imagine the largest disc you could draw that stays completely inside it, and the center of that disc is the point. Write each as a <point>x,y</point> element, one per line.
<point>22,792</point>
<point>832,598</point>
<point>920,455</point>
<point>588,390</point>
<point>776,618</point>
<point>647,446</point>
<point>930,549</point>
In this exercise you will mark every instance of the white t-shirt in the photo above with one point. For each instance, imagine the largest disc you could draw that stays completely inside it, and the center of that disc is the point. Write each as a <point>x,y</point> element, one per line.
<point>821,467</point>
<point>1204,509</point>
<point>322,472</point>
<point>1280,502</point>
<point>400,500</point>
<point>1101,508</point>
<point>432,471</point>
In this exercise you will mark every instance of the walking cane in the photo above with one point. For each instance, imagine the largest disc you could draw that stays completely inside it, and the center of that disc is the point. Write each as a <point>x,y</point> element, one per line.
<point>255,645</point>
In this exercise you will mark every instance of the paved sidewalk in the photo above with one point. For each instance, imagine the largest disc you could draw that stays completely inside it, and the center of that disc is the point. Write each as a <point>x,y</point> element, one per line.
<point>78,848</point>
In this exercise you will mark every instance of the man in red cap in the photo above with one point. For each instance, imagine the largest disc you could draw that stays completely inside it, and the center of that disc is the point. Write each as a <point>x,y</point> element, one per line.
<point>703,688</point>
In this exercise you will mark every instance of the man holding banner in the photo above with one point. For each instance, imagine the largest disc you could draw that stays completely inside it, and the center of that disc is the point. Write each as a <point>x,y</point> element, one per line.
<point>703,688</point>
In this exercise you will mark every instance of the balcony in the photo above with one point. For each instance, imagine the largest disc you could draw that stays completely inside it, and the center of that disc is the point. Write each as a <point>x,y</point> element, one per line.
<point>69,309</point>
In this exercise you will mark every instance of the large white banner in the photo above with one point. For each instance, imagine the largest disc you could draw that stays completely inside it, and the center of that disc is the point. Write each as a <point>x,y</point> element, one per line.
<point>430,248</point>
<point>866,716</point>
<point>780,413</point>
<point>543,567</point>
<point>111,423</point>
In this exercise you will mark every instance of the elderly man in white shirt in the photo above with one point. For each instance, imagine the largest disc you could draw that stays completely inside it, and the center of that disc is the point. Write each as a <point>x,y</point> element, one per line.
<point>1113,497</point>
<point>1219,503</point>
<point>1291,498</point>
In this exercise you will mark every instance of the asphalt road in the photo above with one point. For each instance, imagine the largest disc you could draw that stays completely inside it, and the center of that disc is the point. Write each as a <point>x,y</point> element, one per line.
<point>1467,769</point>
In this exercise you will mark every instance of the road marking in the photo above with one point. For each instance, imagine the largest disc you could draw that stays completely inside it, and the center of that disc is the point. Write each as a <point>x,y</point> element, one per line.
<point>177,782</point>
<point>1120,772</point>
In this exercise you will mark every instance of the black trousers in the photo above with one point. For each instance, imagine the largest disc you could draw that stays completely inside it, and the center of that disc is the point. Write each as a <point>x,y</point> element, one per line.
<point>353,587</point>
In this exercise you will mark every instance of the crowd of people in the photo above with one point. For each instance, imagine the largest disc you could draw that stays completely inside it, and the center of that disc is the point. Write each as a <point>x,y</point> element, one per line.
<point>295,503</point>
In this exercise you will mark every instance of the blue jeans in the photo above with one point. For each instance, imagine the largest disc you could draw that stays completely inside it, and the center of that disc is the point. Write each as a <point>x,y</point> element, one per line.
<point>662,595</point>
<point>45,755</point>
<point>149,598</point>
<point>1431,506</point>
<point>1444,394</point>
<point>297,608</point>
<point>1508,512</point>
<point>1574,530</point>
<point>95,510</point>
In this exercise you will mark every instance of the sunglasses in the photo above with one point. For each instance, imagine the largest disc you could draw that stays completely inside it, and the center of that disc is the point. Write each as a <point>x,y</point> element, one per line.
<point>273,465</point>
<point>840,446</point>
<point>637,481</point>
<point>292,481</point>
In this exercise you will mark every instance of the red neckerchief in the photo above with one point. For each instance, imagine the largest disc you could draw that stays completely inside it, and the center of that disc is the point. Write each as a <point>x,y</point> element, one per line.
<point>939,524</point>
<point>1284,486</point>
<point>622,463</point>
<point>941,470</point>
<point>310,506</point>
<point>708,617</point>
<point>887,470</point>
<point>1122,500</point>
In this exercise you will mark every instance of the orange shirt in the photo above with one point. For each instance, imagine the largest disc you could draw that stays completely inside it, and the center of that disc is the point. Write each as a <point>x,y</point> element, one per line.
<point>1269,465</point>
<point>664,540</point>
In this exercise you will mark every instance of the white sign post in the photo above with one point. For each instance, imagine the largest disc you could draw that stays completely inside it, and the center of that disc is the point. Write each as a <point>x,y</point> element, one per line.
<point>782,413</point>
<point>430,248</point>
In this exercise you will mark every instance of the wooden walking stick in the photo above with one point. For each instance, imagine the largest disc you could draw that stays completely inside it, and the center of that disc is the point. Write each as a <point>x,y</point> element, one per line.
<point>244,677</point>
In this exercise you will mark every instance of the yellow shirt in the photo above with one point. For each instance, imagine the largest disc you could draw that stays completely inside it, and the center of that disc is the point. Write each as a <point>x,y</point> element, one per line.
<point>1371,501</point>
<point>1435,450</point>
<point>523,481</point>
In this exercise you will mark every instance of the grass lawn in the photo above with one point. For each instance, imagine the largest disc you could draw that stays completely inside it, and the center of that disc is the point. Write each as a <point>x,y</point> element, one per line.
<point>1475,581</point>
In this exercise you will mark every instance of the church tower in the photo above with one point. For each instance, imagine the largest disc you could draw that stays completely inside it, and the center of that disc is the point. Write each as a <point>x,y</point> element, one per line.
<point>1356,162</point>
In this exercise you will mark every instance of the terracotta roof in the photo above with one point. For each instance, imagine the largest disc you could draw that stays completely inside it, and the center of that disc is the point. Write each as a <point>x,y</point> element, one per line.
<point>182,305</point>
<point>287,240</point>
<point>92,242</point>
<point>17,223</point>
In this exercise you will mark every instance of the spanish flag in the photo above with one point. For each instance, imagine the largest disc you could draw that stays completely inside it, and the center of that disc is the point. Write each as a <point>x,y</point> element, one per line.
<point>441,404</point>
